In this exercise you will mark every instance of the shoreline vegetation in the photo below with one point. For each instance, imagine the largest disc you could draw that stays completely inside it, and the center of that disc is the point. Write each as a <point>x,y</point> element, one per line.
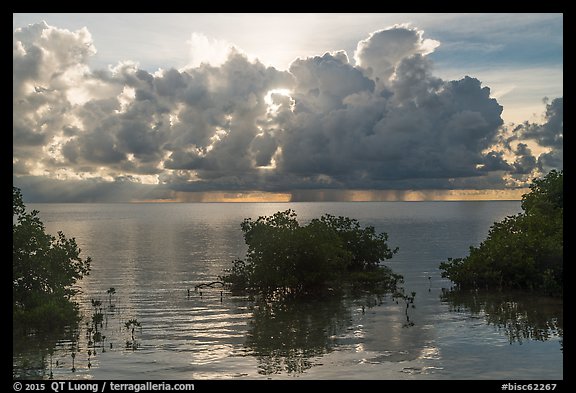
<point>524,251</point>
<point>330,253</point>
<point>44,271</point>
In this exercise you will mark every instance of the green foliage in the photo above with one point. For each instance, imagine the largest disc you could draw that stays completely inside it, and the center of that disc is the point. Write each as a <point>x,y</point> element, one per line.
<point>283,255</point>
<point>546,196</point>
<point>524,251</point>
<point>380,279</point>
<point>44,270</point>
<point>48,314</point>
<point>367,248</point>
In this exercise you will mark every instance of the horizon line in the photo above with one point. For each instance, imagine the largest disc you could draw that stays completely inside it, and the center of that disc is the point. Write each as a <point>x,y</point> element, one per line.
<point>291,197</point>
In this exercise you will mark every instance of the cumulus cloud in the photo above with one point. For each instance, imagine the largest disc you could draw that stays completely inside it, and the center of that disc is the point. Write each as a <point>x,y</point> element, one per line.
<point>227,122</point>
<point>547,137</point>
<point>206,50</point>
<point>47,64</point>
<point>383,50</point>
<point>551,132</point>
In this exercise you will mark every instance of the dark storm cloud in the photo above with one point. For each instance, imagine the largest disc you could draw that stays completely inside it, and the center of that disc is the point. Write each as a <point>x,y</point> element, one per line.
<point>438,133</point>
<point>549,135</point>
<point>221,126</point>
<point>385,123</point>
<point>525,162</point>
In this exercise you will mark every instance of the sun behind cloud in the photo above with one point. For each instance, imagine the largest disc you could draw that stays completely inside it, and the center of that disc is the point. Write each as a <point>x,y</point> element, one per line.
<point>229,127</point>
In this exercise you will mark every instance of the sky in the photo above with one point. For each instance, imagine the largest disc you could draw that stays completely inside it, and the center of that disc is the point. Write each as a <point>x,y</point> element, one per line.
<point>285,107</point>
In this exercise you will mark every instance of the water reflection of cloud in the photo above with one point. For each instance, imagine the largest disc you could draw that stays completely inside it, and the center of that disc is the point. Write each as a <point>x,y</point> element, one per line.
<point>430,352</point>
<point>206,352</point>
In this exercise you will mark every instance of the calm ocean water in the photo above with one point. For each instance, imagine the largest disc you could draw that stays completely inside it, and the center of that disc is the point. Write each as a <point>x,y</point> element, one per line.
<point>152,254</point>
